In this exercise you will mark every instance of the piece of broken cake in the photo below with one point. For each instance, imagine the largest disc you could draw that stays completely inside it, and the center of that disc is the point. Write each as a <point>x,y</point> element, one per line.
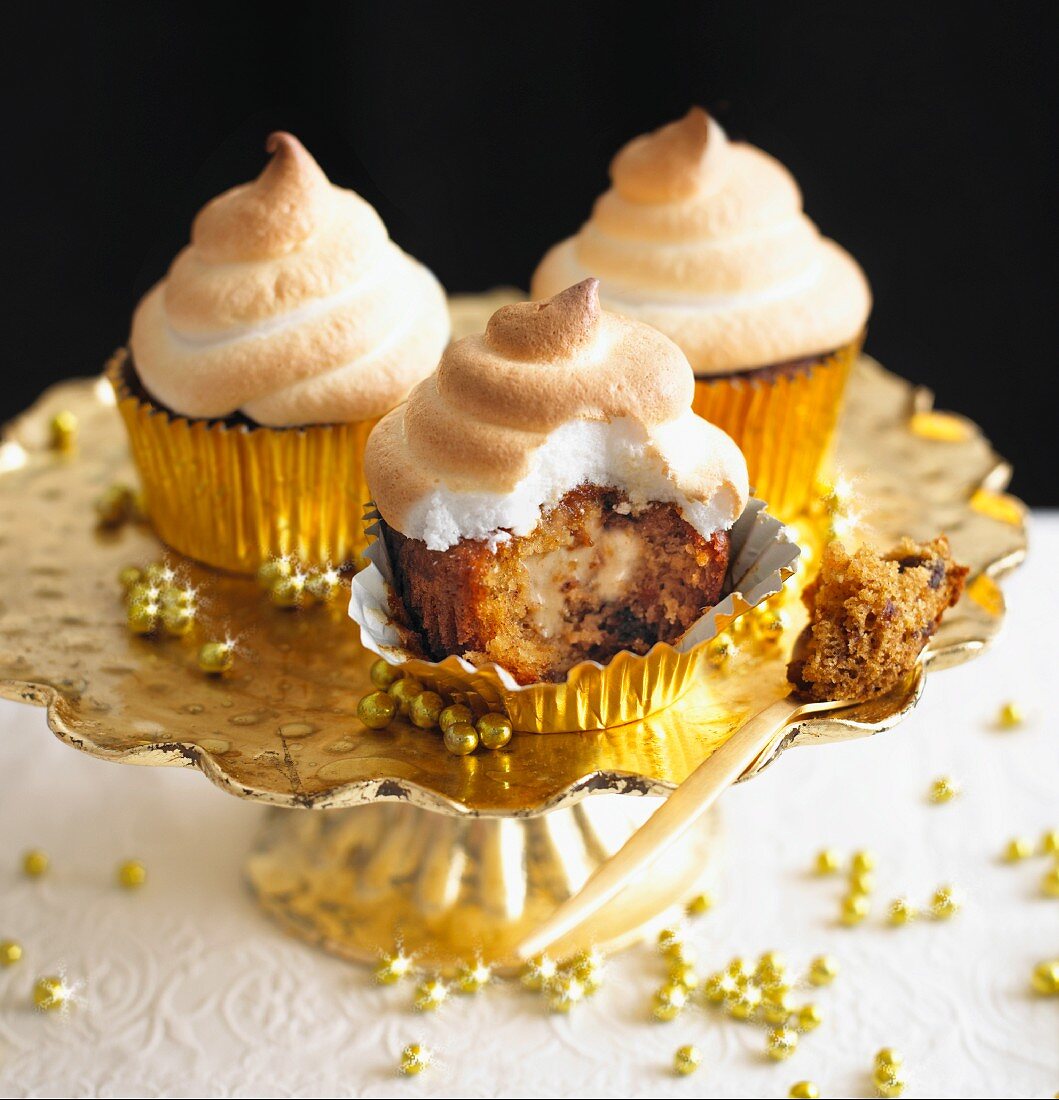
<point>871,615</point>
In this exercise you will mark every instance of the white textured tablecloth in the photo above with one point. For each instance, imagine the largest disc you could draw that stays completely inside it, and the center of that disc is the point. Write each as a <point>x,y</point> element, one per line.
<point>186,989</point>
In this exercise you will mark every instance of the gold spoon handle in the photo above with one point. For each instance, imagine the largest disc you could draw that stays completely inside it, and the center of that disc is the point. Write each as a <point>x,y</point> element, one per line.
<point>671,820</point>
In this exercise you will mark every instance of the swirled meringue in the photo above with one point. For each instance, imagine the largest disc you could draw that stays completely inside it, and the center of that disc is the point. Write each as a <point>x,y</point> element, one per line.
<point>553,395</point>
<point>705,239</point>
<point>291,305</point>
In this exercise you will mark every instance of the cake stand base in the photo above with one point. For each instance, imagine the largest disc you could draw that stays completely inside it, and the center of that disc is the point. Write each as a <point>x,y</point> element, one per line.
<point>360,881</point>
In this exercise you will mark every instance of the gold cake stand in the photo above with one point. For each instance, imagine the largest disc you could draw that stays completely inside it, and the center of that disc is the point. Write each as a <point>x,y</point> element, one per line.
<point>453,856</point>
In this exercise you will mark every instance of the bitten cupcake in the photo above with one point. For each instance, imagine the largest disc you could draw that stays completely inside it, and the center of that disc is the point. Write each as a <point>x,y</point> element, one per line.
<point>257,367</point>
<point>705,239</point>
<point>548,496</point>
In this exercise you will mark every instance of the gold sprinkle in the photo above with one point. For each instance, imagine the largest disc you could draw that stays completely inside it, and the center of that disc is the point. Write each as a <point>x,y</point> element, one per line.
<point>50,994</point>
<point>686,1060</point>
<point>10,952</point>
<point>945,903</point>
<point>1018,848</point>
<point>901,911</point>
<point>781,1043</point>
<point>804,1090</point>
<point>828,861</point>
<point>132,874</point>
<point>1045,979</point>
<point>944,789</point>
<point>855,907</point>
<point>35,863</point>
<point>863,860</point>
<point>1010,716</point>
<point>414,1059</point>
<point>699,904</point>
<point>823,970</point>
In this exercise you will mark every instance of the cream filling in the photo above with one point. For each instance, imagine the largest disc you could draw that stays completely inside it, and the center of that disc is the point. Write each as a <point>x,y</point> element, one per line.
<point>601,571</point>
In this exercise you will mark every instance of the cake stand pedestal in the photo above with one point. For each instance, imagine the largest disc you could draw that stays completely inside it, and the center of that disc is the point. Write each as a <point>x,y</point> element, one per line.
<point>383,837</point>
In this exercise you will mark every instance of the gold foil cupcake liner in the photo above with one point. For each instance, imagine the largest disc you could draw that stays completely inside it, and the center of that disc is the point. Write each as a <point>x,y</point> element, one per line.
<point>235,495</point>
<point>594,696</point>
<point>784,424</point>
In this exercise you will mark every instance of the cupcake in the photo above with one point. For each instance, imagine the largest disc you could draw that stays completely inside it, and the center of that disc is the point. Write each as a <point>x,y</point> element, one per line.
<point>548,497</point>
<point>258,366</point>
<point>705,240</point>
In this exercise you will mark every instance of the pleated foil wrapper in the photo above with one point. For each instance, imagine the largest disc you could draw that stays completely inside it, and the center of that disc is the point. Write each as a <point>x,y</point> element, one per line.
<point>594,696</point>
<point>235,495</point>
<point>784,424</point>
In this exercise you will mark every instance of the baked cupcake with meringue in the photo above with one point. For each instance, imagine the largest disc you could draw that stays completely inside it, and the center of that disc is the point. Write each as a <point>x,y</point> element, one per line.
<point>548,497</point>
<point>706,240</point>
<point>257,367</point>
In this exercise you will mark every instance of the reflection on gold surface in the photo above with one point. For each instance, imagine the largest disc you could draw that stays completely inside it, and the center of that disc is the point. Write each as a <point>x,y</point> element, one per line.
<point>282,727</point>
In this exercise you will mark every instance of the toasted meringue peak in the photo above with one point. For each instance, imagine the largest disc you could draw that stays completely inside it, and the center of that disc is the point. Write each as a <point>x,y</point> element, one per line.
<point>668,164</point>
<point>547,330</point>
<point>705,239</point>
<point>290,305</point>
<point>553,395</point>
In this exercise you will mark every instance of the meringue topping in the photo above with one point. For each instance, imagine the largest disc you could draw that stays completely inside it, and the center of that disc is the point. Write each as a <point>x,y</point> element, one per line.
<point>553,395</point>
<point>706,240</point>
<point>290,305</point>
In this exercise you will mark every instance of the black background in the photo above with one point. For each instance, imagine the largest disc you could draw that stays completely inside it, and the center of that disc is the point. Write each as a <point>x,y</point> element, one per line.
<point>921,133</point>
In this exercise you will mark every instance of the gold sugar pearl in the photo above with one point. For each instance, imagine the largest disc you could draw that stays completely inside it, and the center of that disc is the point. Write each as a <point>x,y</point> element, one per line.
<point>804,1090</point>
<point>587,967</point>
<point>62,431</point>
<point>129,575</point>
<point>564,992</point>
<point>324,585</point>
<point>738,969</point>
<point>777,1005</point>
<point>494,730</point>
<point>1010,716</point>
<point>901,911</point>
<point>670,941</point>
<point>781,1043</point>
<point>771,627</point>
<point>719,987</point>
<point>377,710</point>
<point>404,691</point>
<point>288,593</point>
<point>719,652</point>
<point>216,658</point>
<point>159,574</point>
<point>771,967</point>
<point>669,1002</point>
<point>808,1017</point>
<point>854,908</point>
<point>174,596</point>
<point>828,861</point>
<point>392,968</point>
<point>1050,842</point>
<point>863,860</point>
<point>414,1059</point>
<point>1045,978</point>
<point>455,714</point>
<point>538,972</point>
<point>746,1002</point>
<point>384,675</point>
<point>131,874</point>
<point>887,1056</point>
<point>143,618</point>
<point>823,970</point>
<point>944,789</point>
<point>472,977</point>
<point>861,882</point>
<point>10,952</point>
<point>461,739</point>
<point>683,973</point>
<point>50,994</point>
<point>889,1079</point>
<point>686,1060</point>
<point>945,903</point>
<point>178,621</point>
<point>276,569</point>
<point>430,995</point>
<point>699,904</point>
<point>1050,882</point>
<point>114,506</point>
<point>35,863</point>
<point>425,709</point>
<point>1018,848</point>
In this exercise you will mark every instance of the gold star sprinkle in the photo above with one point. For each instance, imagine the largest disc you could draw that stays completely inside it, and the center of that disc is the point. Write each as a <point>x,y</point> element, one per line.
<point>1010,716</point>
<point>1018,848</point>
<point>699,904</point>
<point>828,861</point>
<point>804,1090</point>
<point>781,1043</point>
<point>430,995</point>
<point>901,911</point>
<point>414,1059</point>
<point>823,970</point>
<point>945,903</point>
<point>10,952</point>
<point>686,1060</point>
<point>132,874</point>
<point>35,863</point>
<point>944,789</point>
<point>50,994</point>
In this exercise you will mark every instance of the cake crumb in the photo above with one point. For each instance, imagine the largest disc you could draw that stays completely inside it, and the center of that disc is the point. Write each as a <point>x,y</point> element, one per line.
<point>871,614</point>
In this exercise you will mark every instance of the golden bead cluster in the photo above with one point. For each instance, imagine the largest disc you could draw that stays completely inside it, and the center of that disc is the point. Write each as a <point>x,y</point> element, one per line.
<point>290,587</point>
<point>564,985</point>
<point>399,694</point>
<point>888,1073</point>
<point>156,602</point>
